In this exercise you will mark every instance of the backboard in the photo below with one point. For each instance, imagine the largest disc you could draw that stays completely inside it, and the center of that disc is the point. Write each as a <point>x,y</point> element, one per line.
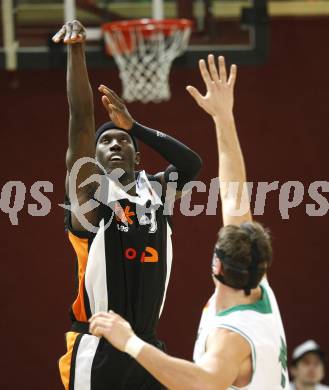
<point>237,29</point>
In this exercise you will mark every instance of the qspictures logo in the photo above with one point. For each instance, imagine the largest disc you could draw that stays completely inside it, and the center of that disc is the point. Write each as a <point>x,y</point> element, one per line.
<point>313,198</point>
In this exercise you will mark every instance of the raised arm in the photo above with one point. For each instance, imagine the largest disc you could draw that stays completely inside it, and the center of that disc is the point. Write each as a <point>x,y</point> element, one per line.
<point>81,141</point>
<point>182,159</point>
<point>218,102</point>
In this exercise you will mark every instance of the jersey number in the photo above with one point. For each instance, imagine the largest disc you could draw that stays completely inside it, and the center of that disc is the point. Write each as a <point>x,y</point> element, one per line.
<point>283,361</point>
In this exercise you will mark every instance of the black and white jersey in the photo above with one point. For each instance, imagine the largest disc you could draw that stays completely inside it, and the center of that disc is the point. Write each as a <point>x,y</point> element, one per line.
<point>124,267</point>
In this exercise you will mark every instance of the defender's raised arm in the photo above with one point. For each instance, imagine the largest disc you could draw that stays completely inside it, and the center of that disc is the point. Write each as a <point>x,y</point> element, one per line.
<point>218,102</point>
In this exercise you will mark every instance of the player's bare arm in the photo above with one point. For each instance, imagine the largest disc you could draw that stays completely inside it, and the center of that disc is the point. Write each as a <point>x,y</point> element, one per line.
<point>81,123</point>
<point>183,160</point>
<point>218,102</point>
<point>219,368</point>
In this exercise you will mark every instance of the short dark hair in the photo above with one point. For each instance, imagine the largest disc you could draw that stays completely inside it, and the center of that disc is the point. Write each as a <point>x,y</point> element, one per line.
<point>243,245</point>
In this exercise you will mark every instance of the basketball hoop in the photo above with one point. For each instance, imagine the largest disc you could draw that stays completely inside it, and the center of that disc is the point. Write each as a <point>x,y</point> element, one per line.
<point>144,50</point>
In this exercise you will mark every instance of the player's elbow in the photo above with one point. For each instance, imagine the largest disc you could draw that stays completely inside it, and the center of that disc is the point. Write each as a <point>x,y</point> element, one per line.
<point>192,165</point>
<point>192,169</point>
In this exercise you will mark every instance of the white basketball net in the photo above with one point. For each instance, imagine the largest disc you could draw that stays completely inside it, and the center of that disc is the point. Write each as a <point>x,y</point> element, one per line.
<point>144,62</point>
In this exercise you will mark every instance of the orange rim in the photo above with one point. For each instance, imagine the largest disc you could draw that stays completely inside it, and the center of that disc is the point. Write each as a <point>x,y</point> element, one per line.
<point>148,25</point>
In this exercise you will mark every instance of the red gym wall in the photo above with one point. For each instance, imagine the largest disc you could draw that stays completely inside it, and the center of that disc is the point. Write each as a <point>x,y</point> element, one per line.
<point>282,112</point>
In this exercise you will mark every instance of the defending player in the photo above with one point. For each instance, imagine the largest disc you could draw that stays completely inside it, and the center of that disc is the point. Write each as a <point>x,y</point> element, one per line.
<point>126,266</point>
<point>241,341</point>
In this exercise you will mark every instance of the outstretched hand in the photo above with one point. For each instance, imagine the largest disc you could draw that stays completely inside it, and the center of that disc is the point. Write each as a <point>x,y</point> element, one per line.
<point>219,98</point>
<point>112,327</point>
<point>116,108</point>
<point>71,33</point>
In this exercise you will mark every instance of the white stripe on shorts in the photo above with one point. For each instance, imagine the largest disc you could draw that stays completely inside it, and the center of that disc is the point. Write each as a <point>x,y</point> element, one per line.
<point>83,362</point>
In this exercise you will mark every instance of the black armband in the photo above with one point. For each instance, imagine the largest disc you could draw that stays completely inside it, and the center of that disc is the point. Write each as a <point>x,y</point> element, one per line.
<point>182,159</point>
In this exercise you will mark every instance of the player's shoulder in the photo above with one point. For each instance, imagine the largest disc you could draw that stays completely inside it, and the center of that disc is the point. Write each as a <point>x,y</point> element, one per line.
<point>157,177</point>
<point>68,227</point>
<point>154,180</point>
<point>228,341</point>
<point>225,335</point>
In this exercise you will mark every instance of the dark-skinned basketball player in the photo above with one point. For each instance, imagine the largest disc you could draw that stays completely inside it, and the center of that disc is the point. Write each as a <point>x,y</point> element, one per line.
<point>124,261</point>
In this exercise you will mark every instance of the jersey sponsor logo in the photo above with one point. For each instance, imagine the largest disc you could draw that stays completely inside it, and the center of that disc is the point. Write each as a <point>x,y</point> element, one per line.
<point>123,228</point>
<point>130,253</point>
<point>125,216</point>
<point>149,255</point>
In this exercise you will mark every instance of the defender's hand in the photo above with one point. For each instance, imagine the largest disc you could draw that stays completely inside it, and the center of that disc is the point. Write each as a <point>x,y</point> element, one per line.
<point>112,327</point>
<point>116,108</point>
<point>71,33</point>
<point>218,100</point>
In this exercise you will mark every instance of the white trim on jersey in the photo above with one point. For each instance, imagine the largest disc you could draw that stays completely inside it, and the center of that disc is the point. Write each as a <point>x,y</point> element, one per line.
<point>144,192</point>
<point>169,264</point>
<point>84,360</point>
<point>95,277</point>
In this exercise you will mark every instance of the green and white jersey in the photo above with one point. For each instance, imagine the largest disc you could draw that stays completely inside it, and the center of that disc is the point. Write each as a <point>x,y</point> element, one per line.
<point>261,325</point>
